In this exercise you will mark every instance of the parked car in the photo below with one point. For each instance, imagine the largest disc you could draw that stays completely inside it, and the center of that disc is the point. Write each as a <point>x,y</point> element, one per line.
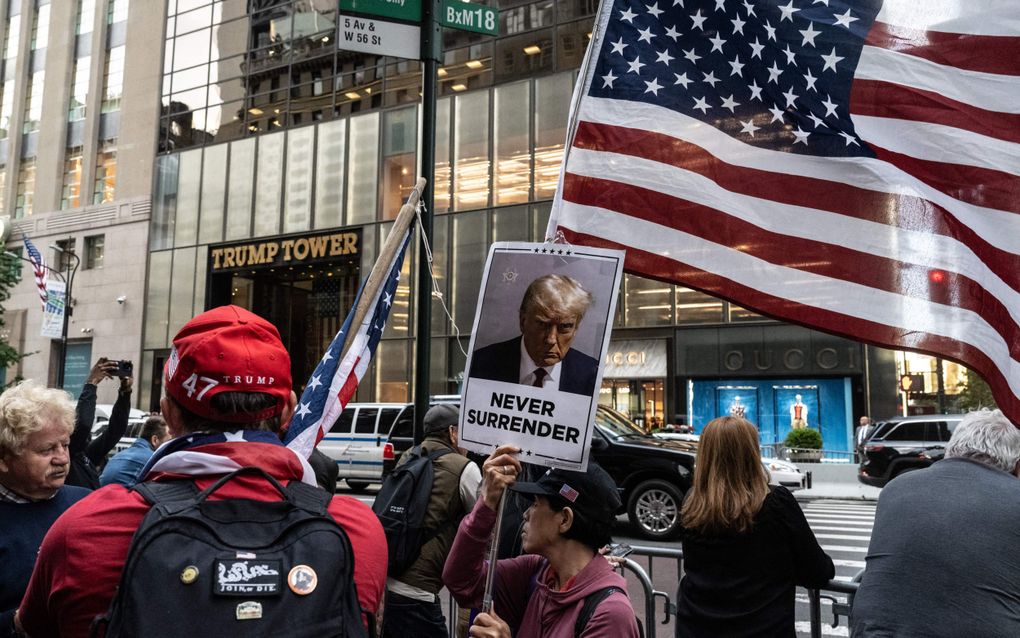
<point>359,440</point>
<point>780,472</point>
<point>904,444</point>
<point>652,474</point>
<point>136,419</point>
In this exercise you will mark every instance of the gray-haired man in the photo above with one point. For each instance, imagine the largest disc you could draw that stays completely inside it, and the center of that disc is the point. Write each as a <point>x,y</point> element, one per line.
<point>943,558</point>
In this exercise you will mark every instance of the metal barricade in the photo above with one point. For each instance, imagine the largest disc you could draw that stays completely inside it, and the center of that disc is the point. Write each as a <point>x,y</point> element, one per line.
<point>838,608</point>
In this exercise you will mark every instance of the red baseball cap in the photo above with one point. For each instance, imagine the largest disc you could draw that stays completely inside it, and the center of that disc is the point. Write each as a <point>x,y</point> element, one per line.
<point>228,349</point>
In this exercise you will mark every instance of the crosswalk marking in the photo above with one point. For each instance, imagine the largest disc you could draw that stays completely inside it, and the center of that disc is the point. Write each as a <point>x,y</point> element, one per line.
<point>843,537</point>
<point>848,517</point>
<point>842,528</point>
<point>845,548</point>
<point>841,562</point>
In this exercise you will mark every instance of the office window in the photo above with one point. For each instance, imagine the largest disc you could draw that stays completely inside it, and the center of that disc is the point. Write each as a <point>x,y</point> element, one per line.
<point>399,171</point>
<point>41,28</point>
<point>65,257</point>
<point>513,144</point>
<point>106,173</point>
<point>693,307</point>
<point>113,79</point>
<point>79,89</point>
<point>471,151</point>
<point>116,11</point>
<point>13,37</point>
<point>26,188</point>
<point>6,104</point>
<point>94,248</point>
<point>552,104</point>
<point>71,194</point>
<point>85,16</point>
<point>33,102</point>
<point>648,302</point>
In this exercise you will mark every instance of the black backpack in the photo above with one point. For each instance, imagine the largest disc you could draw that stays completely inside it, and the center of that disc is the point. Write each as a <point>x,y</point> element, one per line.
<point>401,505</point>
<point>236,567</point>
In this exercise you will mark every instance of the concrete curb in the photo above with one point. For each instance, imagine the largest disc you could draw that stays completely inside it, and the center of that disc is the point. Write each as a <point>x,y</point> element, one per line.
<point>831,480</point>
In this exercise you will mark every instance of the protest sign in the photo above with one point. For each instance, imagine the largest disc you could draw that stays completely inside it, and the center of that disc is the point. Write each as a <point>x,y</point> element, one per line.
<point>541,330</point>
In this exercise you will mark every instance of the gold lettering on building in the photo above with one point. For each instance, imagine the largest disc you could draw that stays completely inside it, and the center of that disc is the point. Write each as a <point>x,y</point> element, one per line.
<point>284,251</point>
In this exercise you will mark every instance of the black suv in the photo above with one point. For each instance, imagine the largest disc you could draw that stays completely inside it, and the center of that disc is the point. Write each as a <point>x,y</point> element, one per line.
<point>903,444</point>
<point>652,474</point>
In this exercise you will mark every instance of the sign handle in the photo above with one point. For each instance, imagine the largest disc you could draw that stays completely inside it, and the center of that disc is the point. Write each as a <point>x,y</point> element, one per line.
<point>490,576</point>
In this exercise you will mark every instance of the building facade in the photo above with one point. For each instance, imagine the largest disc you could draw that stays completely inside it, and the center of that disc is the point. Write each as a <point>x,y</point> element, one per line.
<point>77,137</point>
<point>282,160</point>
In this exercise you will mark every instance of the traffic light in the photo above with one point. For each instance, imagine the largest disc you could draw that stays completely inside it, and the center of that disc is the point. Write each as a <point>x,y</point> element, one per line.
<point>912,382</point>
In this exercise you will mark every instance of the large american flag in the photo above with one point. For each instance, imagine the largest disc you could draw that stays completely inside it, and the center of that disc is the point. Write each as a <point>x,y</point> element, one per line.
<point>38,269</point>
<point>336,377</point>
<point>851,166</point>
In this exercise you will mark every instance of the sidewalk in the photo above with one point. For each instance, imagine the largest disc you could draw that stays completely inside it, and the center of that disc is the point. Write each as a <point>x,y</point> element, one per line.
<point>835,480</point>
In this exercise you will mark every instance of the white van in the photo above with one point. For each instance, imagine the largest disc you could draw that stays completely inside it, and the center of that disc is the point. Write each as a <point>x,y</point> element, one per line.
<point>358,441</point>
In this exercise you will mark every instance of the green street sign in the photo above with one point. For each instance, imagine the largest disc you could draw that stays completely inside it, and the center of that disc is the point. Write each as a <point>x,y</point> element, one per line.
<point>409,10</point>
<point>468,16</point>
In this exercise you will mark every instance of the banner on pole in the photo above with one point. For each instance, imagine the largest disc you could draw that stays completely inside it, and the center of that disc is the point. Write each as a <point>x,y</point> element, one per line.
<point>53,314</point>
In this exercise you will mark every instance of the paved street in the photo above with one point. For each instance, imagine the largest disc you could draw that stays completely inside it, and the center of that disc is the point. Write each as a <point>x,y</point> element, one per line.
<point>843,529</point>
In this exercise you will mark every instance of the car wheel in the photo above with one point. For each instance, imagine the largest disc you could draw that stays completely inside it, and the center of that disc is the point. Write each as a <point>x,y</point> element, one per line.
<point>357,486</point>
<point>654,509</point>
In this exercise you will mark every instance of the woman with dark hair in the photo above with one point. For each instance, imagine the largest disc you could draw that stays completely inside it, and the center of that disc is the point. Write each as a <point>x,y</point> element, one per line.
<point>746,545</point>
<point>542,593</point>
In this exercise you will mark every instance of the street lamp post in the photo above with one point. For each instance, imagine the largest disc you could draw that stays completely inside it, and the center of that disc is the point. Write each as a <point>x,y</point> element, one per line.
<point>69,280</point>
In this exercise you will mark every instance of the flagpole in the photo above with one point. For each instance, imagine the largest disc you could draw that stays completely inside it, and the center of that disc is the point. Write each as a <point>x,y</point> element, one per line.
<point>381,268</point>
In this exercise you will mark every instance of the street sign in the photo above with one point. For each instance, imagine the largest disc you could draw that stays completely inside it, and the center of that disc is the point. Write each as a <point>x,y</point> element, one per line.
<point>379,37</point>
<point>409,10</point>
<point>912,382</point>
<point>468,16</point>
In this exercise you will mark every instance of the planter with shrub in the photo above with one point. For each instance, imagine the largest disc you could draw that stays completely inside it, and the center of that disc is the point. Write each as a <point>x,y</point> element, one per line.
<point>804,445</point>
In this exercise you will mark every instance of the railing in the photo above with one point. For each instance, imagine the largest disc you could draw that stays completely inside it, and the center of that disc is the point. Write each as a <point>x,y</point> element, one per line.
<point>650,596</point>
<point>780,451</point>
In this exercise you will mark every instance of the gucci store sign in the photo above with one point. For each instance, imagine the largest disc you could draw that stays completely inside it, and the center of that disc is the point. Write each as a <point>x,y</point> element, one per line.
<point>636,359</point>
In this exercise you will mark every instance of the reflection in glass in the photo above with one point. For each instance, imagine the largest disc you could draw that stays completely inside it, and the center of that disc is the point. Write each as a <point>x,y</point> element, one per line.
<point>113,79</point>
<point>297,214</point>
<point>164,203</point>
<point>440,293</point>
<point>362,169</point>
<point>471,151</point>
<point>182,289</point>
<point>693,307</point>
<point>399,170</point>
<point>648,302</point>
<point>33,102</point>
<point>188,198</point>
<point>329,174</point>
<point>214,184</point>
<point>470,246</point>
<point>393,372</point>
<point>513,149</point>
<point>157,299</point>
<point>552,104</point>
<point>441,190</point>
<point>79,89</point>
<point>510,224</point>
<point>241,190</point>
<point>738,314</point>
<point>269,185</point>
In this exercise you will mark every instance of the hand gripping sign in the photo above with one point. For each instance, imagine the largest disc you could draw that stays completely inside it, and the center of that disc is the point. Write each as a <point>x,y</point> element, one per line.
<point>541,331</point>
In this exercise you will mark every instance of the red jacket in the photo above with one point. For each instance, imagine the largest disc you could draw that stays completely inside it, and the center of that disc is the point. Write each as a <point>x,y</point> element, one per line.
<point>80,561</point>
<point>537,610</point>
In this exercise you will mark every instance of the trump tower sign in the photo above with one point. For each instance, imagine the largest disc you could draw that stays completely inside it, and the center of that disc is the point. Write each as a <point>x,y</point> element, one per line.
<point>541,331</point>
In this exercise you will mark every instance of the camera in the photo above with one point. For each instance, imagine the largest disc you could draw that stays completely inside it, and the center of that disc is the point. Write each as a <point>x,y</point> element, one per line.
<point>124,369</point>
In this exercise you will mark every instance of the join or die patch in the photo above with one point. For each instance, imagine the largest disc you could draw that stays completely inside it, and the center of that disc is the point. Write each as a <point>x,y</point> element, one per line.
<point>250,577</point>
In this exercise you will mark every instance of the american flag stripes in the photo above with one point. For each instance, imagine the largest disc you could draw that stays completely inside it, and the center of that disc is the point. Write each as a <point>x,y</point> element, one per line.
<point>851,166</point>
<point>336,377</point>
<point>38,269</point>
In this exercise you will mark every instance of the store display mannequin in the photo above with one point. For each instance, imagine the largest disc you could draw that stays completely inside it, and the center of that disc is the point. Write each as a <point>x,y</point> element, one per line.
<point>737,408</point>
<point>798,414</point>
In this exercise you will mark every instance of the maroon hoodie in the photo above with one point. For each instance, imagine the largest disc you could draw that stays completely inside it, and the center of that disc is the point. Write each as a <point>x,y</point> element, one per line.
<point>521,596</point>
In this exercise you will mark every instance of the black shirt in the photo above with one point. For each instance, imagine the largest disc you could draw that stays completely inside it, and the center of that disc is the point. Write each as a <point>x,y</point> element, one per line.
<point>743,584</point>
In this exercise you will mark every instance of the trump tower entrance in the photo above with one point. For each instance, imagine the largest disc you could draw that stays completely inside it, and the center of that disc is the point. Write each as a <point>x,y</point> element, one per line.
<point>304,284</point>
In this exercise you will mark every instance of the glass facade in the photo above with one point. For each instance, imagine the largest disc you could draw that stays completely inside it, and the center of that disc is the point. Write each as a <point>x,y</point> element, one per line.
<point>268,130</point>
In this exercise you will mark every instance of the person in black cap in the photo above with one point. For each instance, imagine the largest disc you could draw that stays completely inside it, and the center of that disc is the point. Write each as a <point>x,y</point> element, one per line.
<point>412,598</point>
<point>542,592</point>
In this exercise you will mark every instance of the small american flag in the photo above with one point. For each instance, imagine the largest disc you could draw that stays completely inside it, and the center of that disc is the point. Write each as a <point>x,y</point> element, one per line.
<point>38,268</point>
<point>335,379</point>
<point>568,493</point>
<point>850,166</point>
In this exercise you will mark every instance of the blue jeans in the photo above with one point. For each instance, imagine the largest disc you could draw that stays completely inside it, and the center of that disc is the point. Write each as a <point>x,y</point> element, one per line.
<point>405,617</point>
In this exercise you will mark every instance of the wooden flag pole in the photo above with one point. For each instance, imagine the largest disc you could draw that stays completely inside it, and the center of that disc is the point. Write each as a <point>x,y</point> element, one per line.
<point>382,264</point>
